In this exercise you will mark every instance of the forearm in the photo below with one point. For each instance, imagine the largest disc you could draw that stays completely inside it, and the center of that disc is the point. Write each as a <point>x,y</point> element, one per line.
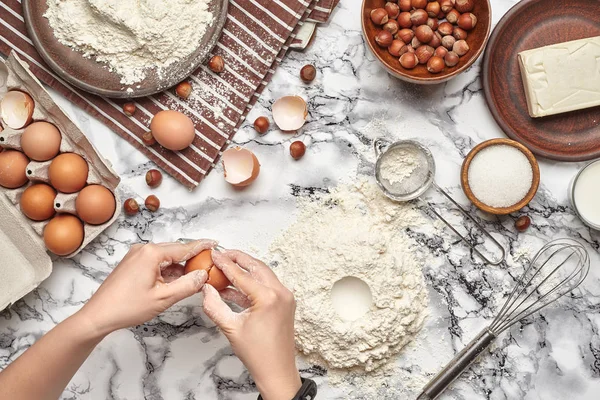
<point>45,369</point>
<point>280,385</point>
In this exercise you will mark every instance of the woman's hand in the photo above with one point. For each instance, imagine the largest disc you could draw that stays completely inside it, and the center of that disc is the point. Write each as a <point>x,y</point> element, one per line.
<point>262,336</point>
<point>146,282</point>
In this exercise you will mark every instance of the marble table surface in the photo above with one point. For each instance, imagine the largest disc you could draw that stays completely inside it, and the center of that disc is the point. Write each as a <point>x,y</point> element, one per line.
<point>554,354</point>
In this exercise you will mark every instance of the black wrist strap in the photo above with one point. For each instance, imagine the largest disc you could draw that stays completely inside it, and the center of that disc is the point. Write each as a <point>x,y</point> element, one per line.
<point>308,391</point>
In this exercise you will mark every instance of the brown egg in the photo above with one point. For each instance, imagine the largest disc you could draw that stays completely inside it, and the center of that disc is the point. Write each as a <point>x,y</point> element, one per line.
<point>204,261</point>
<point>95,204</point>
<point>68,173</point>
<point>13,167</point>
<point>172,129</point>
<point>37,202</point>
<point>41,141</point>
<point>63,234</point>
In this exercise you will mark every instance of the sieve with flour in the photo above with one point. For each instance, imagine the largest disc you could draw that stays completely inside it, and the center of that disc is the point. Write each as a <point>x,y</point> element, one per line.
<point>421,179</point>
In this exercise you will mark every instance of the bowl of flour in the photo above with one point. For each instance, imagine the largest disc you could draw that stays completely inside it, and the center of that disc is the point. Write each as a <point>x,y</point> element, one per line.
<point>124,48</point>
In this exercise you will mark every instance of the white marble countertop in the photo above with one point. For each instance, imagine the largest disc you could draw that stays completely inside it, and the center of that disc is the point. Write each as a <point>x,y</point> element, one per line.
<point>552,355</point>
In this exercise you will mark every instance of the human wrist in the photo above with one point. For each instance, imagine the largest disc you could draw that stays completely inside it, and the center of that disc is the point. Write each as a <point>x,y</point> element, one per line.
<point>91,327</point>
<point>283,386</point>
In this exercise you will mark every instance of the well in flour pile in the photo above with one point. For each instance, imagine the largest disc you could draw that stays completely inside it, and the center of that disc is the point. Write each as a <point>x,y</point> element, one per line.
<point>131,36</point>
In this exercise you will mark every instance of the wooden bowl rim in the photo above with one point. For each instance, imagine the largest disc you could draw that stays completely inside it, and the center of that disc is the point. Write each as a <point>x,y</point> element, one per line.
<point>439,78</point>
<point>464,176</point>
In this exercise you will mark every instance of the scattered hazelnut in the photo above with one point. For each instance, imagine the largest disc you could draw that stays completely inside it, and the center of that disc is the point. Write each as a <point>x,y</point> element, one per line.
<point>379,16</point>
<point>448,42</point>
<point>392,9</point>
<point>451,59</point>
<point>152,203</point>
<point>433,23</point>
<point>153,178</point>
<point>406,35</point>
<point>464,6</point>
<point>216,64</point>
<point>435,64</point>
<point>424,34</point>
<point>409,60</point>
<point>415,43</point>
<point>459,33</point>
<point>395,47</point>
<point>424,53</point>
<point>418,4</point>
<point>391,26</point>
<point>433,9</point>
<point>452,16</point>
<point>460,47</point>
<point>131,207</point>
<point>148,138</point>
<point>445,28</point>
<point>467,21</point>
<point>440,52</point>
<point>404,5</point>
<point>446,5</point>
<point>384,38</point>
<point>522,223</point>
<point>297,150</point>
<point>406,49</point>
<point>183,90</point>
<point>129,109</point>
<point>404,20</point>
<point>261,124</point>
<point>308,73</point>
<point>419,17</point>
<point>436,41</point>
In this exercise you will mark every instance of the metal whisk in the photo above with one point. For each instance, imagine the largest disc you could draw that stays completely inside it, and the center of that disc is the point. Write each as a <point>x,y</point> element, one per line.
<point>558,268</point>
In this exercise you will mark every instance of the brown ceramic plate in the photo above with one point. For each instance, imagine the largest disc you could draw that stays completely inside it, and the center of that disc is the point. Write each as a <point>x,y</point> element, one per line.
<point>573,136</point>
<point>94,77</point>
<point>476,40</point>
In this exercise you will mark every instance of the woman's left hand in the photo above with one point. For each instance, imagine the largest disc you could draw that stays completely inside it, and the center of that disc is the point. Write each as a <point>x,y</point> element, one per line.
<point>143,286</point>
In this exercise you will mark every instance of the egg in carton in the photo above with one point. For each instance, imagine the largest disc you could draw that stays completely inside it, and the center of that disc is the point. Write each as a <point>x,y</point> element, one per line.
<point>26,261</point>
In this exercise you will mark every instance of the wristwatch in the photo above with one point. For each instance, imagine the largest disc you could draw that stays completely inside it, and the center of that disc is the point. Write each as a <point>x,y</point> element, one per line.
<point>308,391</point>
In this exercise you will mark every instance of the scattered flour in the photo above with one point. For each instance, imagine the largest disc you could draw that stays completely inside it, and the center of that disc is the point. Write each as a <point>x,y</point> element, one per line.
<point>131,35</point>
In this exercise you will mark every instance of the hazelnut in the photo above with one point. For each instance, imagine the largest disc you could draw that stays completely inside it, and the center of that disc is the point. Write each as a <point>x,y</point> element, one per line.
<point>464,6</point>
<point>522,223</point>
<point>448,42</point>
<point>404,20</point>
<point>391,26</point>
<point>419,17</point>
<point>433,9</point>
<point>436,41</point>
<point>153,178</point>
<point>131,207</point>
<point>395,47</point>
<point>183,90</point>
<point>148,138</point>
<point>445,28</point>
<point>424,53</point>
<point>406,49</point>
<point>216,64</point>
<point>392,9</point>
<point>152,203</point>
<point>467,21</point>
<point>441,15</point>
<point>308,73</point>
<point>261,124</point>
<point>446,5</point>
<point>424,34</point>
<point>409,60</point>
<point>406,35</point>
<point>404,5</point>
<point>129,109</point>
<point>459,33</point>
<point>297,150</point>
<point>440,52</point>
<point>452,16</point>
<point>415,43</point>
<point>418,4</point>
<point>460,47</point>
<point>433,23</point>
<point>379,16</point>
<point>384,38</point>
<point>451,59</point>
<point>435,64</point>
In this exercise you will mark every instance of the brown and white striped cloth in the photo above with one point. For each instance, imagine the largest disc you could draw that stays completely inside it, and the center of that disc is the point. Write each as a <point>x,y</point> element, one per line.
<point>256,37</point>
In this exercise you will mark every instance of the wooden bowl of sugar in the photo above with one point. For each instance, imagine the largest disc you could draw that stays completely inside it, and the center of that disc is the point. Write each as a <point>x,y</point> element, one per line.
<point>500,176</point>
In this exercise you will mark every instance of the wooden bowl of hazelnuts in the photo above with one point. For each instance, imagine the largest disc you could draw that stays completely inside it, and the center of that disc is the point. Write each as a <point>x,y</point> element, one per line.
<point>424,41</point>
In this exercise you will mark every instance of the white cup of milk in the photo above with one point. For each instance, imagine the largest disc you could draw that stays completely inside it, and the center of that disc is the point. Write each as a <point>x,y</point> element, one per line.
<point>584,193</point>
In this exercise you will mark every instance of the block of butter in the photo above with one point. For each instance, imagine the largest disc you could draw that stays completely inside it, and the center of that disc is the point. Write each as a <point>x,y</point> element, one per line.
<point>561,77</point>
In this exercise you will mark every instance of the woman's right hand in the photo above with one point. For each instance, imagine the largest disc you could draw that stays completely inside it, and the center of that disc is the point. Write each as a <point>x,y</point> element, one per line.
<point>262,335</point>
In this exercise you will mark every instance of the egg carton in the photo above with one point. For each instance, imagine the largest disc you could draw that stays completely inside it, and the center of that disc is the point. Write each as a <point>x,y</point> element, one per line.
<point>21,239</point>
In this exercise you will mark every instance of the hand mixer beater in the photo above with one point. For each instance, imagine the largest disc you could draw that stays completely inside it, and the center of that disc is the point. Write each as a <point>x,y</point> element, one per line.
<point>558,268</point>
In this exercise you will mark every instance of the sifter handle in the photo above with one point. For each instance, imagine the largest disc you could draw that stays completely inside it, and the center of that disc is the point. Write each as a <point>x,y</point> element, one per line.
<point>457,365</point>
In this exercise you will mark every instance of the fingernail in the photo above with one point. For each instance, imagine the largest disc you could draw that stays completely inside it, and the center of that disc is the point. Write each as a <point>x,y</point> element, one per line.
<point>200,277</point>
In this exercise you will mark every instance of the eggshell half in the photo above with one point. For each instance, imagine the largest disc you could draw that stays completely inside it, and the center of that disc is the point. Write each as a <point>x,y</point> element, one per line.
<point>16,109</point>
<point>241,167</point>
<point>289,113</point>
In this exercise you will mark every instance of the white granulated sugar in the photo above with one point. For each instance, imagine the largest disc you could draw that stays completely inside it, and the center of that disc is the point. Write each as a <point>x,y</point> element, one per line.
<point>131,36</point>
<point>500,176</point>
<point>399,163</point>
<point>355,231</point>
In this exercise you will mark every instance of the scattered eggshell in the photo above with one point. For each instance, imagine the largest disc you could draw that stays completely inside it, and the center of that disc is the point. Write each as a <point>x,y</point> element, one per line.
<point>289,113</point>
<point>16,109</point>
<point>241,166</point>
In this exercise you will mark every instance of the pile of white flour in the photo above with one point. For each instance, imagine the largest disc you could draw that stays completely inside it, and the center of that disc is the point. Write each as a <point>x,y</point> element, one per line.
<point>353,231</point>
<point>131,35</point>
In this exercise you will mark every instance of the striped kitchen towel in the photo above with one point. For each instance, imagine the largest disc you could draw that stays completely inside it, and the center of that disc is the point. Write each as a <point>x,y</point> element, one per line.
<point>256,37</point>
